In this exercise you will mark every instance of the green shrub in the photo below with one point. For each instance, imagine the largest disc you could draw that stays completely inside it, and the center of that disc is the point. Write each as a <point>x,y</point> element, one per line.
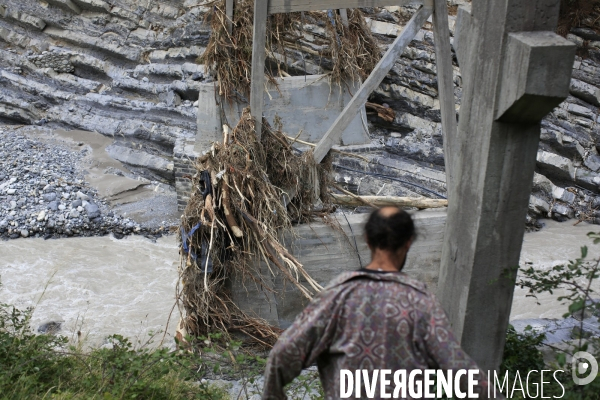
<point>521,351</point>
<point>577,279</point>
<point>44,366</point>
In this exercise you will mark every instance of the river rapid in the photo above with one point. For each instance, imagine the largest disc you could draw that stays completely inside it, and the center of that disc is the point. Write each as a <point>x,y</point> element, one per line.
<point>96,285</point>
<point>101,286</point>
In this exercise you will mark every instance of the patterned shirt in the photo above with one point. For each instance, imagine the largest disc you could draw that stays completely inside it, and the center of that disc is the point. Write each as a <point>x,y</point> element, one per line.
<point>366,320</point>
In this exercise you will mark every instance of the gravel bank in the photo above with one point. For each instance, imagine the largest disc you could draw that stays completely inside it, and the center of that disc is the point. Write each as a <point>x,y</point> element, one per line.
<point>44,193</point>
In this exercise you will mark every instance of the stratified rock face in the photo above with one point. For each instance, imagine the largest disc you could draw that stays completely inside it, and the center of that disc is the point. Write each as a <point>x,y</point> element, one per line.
<point>567,181</point>
<point>124,68</point>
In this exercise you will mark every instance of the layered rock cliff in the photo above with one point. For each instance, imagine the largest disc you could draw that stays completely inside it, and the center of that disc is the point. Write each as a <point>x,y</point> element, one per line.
<point>125,69</point>
<point>128,70</point>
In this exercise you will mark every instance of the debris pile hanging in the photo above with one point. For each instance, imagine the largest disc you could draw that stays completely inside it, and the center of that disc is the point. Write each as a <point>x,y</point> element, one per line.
<point>246,194</point>
<point>348,50</point>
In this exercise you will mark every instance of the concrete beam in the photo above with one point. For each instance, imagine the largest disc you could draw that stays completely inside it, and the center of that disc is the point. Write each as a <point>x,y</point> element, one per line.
<point>494,171</point>
<point>209,119</point>
<point>259,53</point>
<point>305,105</point>
<point>288,6</point>
<point>443,62</point>
<point>462,33</point>
<point>536,75</point>
<point>326,252</point>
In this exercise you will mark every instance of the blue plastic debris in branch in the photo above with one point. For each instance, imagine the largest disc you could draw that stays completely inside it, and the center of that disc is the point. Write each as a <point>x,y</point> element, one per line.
<point>185,236</point>
<point>202,261</point>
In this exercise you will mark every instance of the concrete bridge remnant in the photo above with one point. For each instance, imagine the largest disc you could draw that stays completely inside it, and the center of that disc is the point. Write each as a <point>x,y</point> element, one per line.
<point>515,71</point>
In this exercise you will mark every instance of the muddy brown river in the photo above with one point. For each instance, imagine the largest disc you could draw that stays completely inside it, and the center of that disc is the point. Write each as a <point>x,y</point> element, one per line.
<point>101,286</point>
<point>98,285</point>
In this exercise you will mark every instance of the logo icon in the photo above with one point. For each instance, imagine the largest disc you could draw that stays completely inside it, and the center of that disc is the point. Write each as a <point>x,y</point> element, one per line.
<point>582,364</point>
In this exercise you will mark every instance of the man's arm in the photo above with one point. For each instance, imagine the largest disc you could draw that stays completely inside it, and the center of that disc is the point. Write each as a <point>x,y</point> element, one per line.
<point>300,345</point>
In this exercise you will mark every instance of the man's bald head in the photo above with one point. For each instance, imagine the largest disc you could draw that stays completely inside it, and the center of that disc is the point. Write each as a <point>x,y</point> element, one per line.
<point>389,228</point>
<point>387,212</point>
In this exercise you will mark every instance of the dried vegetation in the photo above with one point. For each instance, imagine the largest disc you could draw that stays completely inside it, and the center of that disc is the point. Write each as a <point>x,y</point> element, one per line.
<point>349,51</point>
<point>579,14</point>
<point>247,194</point>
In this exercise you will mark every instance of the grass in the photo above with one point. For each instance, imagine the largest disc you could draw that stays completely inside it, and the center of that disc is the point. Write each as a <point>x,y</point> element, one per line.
<point>47,367</point>
<point>44,366</point>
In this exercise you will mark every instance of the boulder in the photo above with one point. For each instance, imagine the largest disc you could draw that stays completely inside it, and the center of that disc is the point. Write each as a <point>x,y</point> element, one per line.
<point>538,206</point>
<point>49,197</point>
<point>585,92</point>
<point>561,212</point>
<point>563,195</point>
<point>92,210</point>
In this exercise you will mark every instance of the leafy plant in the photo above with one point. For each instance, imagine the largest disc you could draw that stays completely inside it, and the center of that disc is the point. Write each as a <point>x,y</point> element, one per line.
<point>521,351</point>
<point>576,278</point>
<point>44,366</point>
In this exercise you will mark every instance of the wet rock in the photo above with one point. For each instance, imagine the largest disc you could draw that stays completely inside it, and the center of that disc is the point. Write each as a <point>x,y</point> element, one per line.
<point>555,164</point>
<point>170,98</point>
<point>561,212</point>
<point>593,162</point>
<point>24,233</point>
<point>585,91</point>
<point>49,196</point>
<point>73,214</point>
<point>586,33</point>
<point>539,206</point>
<point>563,195</point>
<point>92,210</point>
<point>541,183</point>
<point>50,328</point>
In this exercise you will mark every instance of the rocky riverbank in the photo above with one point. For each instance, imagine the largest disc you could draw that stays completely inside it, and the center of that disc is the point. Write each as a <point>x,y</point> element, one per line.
<point>129,71</point>
<point>44,193</point>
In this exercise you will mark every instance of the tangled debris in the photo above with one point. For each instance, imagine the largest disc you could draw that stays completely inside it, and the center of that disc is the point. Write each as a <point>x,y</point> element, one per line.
<point>579,14</point>
<point>347,50</point>
<point>246,194</point>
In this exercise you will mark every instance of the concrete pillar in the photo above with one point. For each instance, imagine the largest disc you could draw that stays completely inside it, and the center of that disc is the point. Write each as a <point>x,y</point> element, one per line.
<point>515,70</point>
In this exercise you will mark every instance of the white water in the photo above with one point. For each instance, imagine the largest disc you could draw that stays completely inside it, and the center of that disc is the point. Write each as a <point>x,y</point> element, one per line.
<point>103,286</point>
<point>99,285</point>
<point>555,244</point>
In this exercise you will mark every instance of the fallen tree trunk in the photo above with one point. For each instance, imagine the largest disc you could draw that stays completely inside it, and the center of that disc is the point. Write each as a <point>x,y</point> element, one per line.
<point>382,201</point>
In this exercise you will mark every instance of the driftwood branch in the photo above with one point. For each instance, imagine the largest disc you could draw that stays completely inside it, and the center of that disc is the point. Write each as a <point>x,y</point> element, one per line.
<point>383,201</point>
<point>354,196</point>
<point>385,113</point>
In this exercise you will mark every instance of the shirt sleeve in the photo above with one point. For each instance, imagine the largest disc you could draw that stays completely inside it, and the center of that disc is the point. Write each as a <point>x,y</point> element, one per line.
<point>446,353</point>
<point>300,345</point>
